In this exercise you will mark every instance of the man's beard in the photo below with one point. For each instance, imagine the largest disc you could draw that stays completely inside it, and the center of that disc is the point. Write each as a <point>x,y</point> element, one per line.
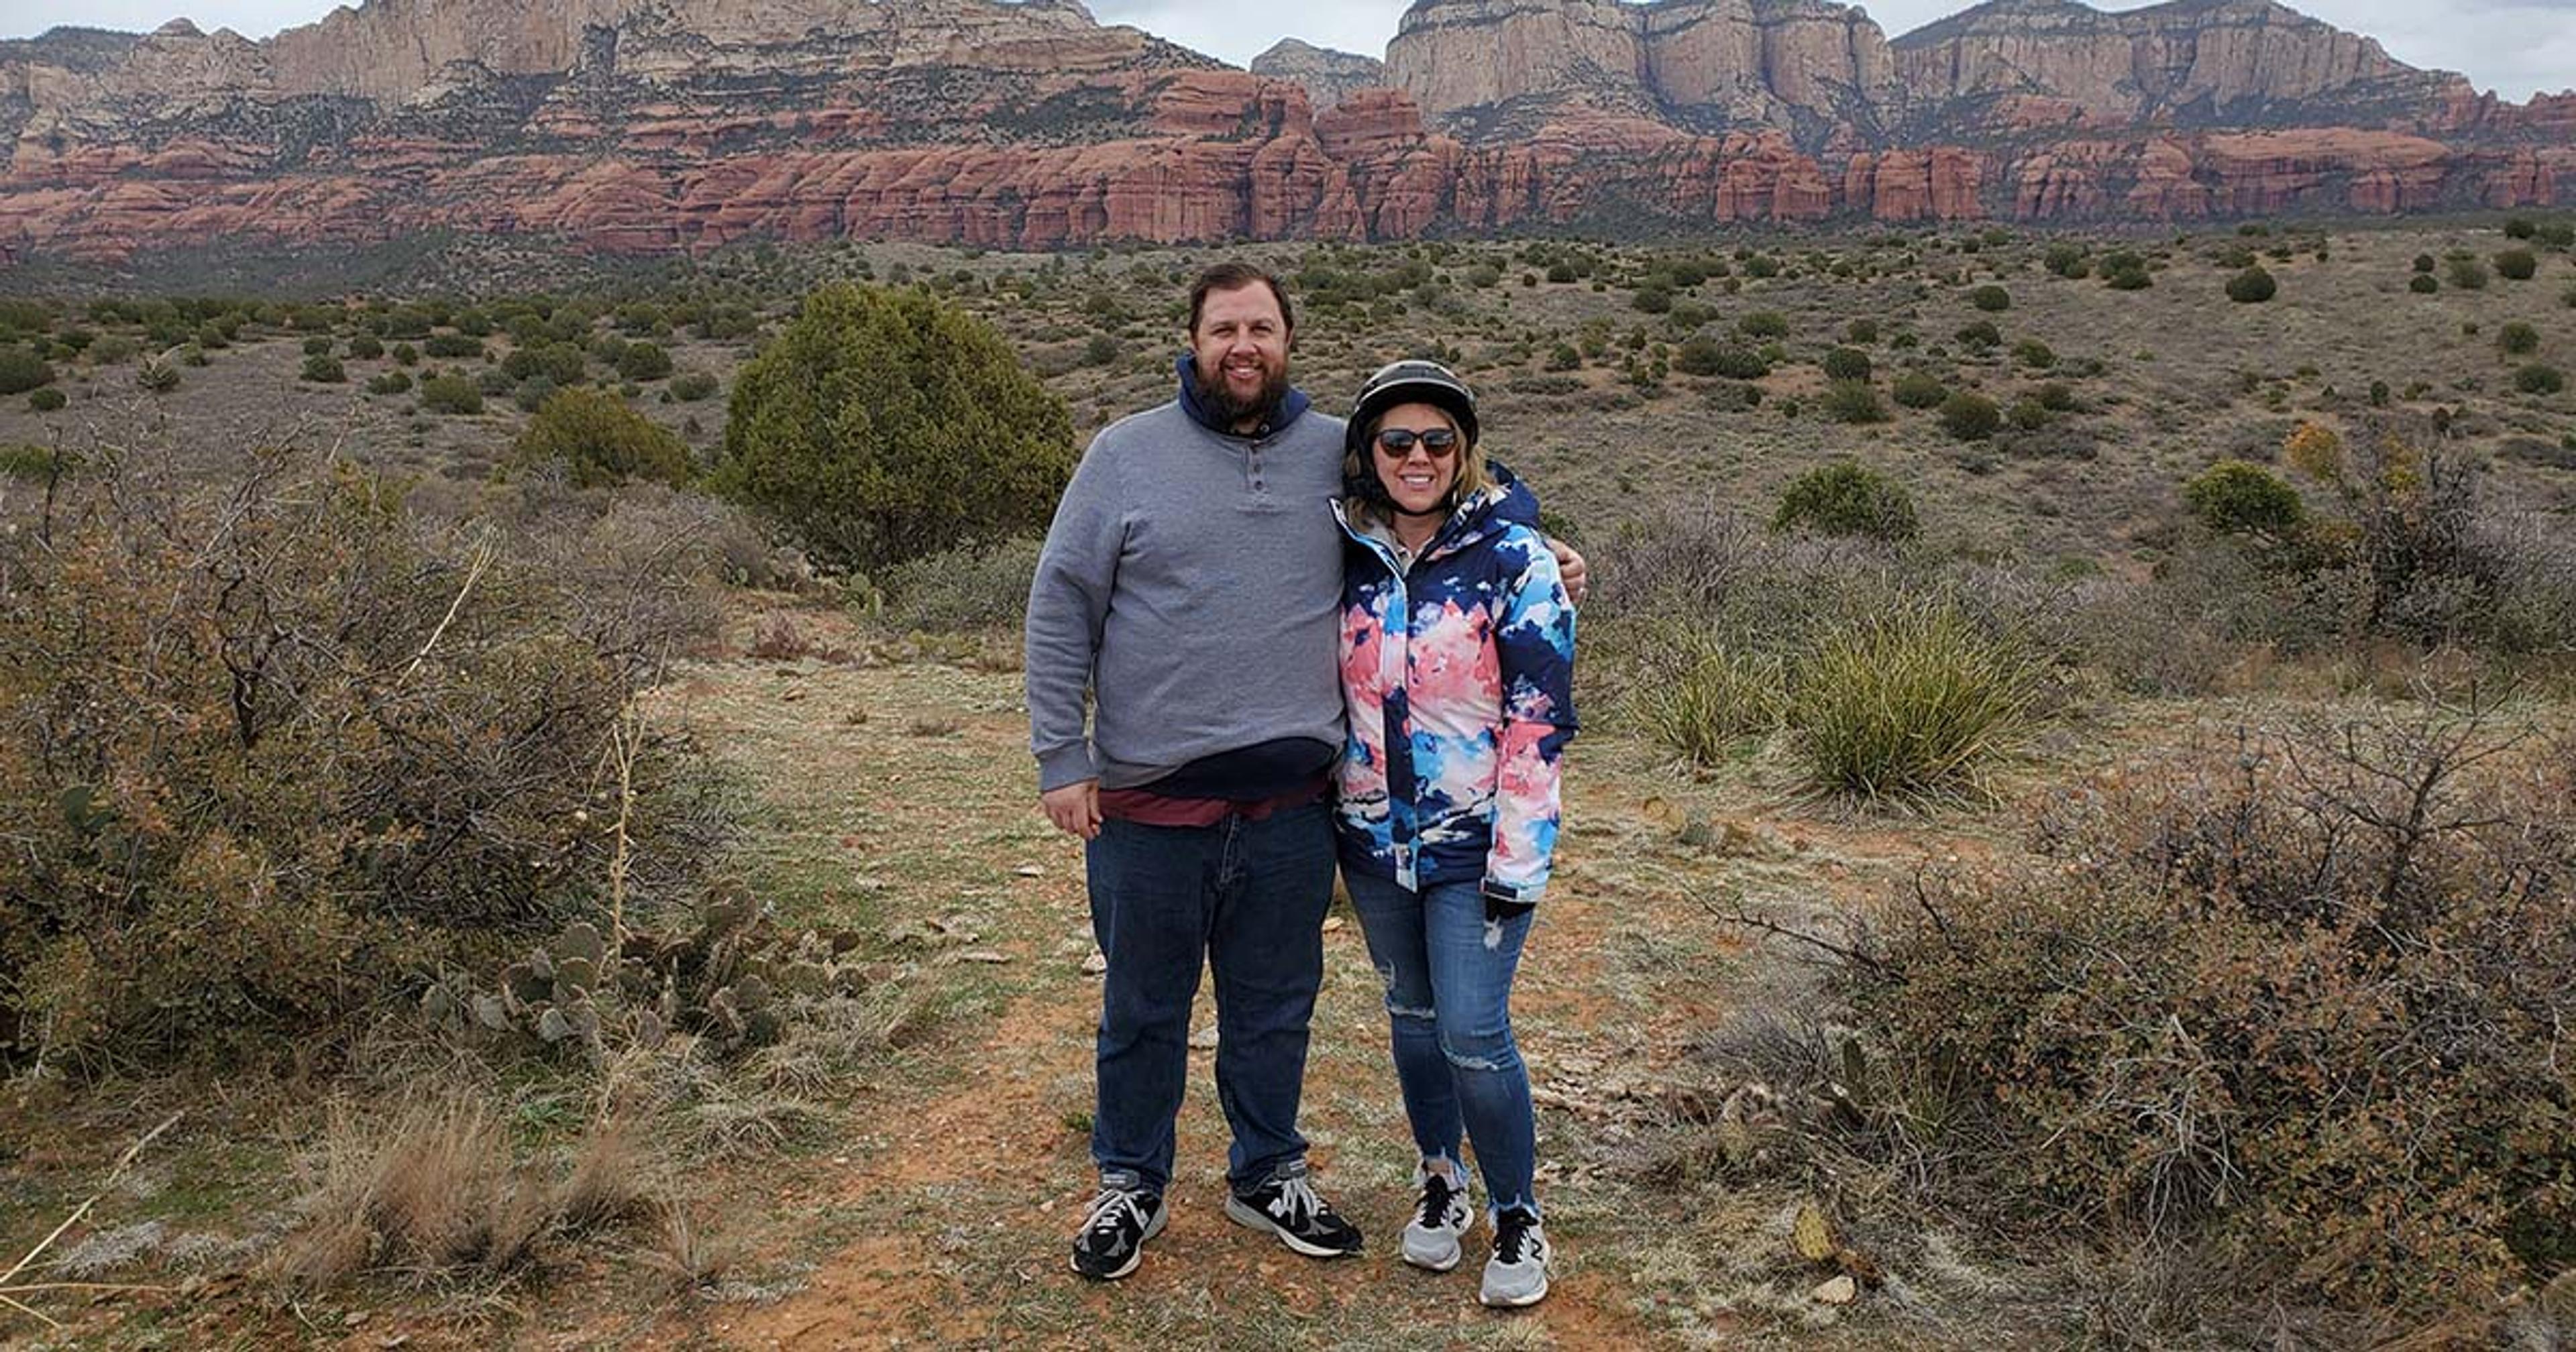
<point>1222,405</point>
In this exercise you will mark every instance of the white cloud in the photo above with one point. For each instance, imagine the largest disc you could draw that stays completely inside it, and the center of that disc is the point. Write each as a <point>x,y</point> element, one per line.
<point>2511,46</point>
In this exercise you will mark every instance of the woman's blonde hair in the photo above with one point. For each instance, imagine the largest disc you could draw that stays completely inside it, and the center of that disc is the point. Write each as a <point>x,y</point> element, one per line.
<point>1473,478</point>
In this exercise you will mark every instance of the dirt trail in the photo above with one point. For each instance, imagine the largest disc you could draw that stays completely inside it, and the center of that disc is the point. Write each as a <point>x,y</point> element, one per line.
<point>946,1222</point>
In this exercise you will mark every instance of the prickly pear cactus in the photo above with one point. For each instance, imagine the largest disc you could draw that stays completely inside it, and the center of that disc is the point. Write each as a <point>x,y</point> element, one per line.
<point>729,981</point>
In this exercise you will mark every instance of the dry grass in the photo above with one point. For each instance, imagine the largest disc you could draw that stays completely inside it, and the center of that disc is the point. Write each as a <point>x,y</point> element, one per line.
<point>432,1190</point>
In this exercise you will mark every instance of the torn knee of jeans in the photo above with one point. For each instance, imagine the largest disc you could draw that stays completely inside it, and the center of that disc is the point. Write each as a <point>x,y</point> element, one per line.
<point>1426,1014</point>
<point>1493,935</point>
<point>1501,1057</point>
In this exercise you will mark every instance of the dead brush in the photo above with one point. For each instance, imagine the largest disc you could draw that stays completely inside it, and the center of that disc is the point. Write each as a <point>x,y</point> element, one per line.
<point>688,1256</point>
<point>779,638</point>
<point>431,1190</point>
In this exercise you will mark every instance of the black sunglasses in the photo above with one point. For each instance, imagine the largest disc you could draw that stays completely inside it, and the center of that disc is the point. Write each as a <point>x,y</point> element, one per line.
<point>1439,443</point>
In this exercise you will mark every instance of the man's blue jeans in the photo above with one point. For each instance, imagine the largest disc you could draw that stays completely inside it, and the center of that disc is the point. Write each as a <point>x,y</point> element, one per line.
<point>1249,898</point>
<point>1448,978</point>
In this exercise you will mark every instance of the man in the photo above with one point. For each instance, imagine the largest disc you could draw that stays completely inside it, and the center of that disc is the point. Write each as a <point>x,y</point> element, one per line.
<point>1191,582</point>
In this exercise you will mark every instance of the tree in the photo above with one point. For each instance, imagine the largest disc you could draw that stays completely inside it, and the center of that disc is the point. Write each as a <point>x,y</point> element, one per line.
<point>882,425</point>
<point>600,440</point>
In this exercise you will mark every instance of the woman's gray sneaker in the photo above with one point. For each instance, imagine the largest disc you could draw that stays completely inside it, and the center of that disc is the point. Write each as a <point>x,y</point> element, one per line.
<point>1288,1207</point>
<point>1114,1231</point>
<point>1442,1218</point>
<point>1517,1273</point>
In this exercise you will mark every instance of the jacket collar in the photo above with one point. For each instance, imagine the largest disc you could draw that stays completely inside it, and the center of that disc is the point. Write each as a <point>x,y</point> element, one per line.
<point>1292,405</point>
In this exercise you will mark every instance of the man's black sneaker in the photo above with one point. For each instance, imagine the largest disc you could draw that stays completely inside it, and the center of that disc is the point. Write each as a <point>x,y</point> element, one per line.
<point>1114,1231</point>
<point>1288,1207</point>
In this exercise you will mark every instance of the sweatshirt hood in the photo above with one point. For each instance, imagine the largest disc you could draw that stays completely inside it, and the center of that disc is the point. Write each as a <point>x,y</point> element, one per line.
<point>1292,405</point>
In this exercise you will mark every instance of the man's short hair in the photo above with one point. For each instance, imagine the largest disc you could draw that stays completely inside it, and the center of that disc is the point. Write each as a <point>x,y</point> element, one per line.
<point>1235,277</point>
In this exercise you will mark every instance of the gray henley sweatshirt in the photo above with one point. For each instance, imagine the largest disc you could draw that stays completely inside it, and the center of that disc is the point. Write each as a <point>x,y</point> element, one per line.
<point>1192,583</point>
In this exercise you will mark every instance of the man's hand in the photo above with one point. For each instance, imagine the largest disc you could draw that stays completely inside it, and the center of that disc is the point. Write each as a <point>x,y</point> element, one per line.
<point>1570,566</point>
<point>1075,808</point>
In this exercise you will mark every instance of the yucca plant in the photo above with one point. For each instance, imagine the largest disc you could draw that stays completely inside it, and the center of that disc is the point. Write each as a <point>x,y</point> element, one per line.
<point>1716,696</point>
<point>1910,703</point>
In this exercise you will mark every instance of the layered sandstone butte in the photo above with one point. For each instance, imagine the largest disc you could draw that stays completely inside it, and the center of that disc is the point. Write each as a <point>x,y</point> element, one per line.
<point>1327,76</point>
<point>658,125</point>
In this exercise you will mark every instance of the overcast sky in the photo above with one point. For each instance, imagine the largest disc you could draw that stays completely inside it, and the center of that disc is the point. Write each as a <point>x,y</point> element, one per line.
<point>2511,46</point>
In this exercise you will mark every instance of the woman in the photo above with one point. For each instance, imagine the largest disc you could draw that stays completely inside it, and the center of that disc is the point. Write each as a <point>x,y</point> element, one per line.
<point>1457,664</point>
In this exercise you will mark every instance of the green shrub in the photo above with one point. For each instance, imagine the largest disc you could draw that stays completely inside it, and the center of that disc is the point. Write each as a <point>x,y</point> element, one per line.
<point>323,368</point>
<point>46,399</point>
<point>2034,354</point>
<point>982,587</point>
<point>1763,324</point>
<point>2056,396</point>
<point>2424,262</point>
<point>1843,363</point>
<point>2520,227</point>
<point>2253,286</point>
<point>404,354</point>
<point>1979,336</point>
<point>883,425</point>
<point>1852,401</point>
<point>366,347</point>
<point>21,370</point>
<point>318,346</point>
<point>2234,497</point>
<point>2126,270</point>
<point>599,441</point>
<point>1861,332</point>
<point>1653,300</point>
<point>2423,284</point>
<point>451,346</point>
<point>2069,260</point>
<point>156,376</point>
<point>2084,1036</point>
<point>2517,265</point>
<point>1843,498</point>
<point>450,393</point>
<point>1919,389</point>
<point>2539,379</point>
<point>113,350</point>
<point>1703,355</point>
<point>562,363</point>
<point>1968,416</point>
<point>1915,702</point>
<point>2468,274</point>
<point>691,386</point>
<point>1991,298</point>
<point>2518,339</point>
<point>644,361</point>
<point>533,393</point>
<point>390,382</point>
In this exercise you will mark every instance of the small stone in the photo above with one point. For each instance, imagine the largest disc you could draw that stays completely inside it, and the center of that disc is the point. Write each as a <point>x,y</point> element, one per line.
<point>1097,963</point>
<point>1332,923</point>
<point>1204,1038</point>
<point>1839,1291</point>
<point>1029,871</point>
<point>354,1318</point>
<point>983,955</point>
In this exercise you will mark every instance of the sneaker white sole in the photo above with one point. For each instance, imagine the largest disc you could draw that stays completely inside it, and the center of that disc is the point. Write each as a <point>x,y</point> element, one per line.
<point>1250,1217</point>
<point>1137,1255</point>
<point>1519,1301</point>
<point>1430,1258</point>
